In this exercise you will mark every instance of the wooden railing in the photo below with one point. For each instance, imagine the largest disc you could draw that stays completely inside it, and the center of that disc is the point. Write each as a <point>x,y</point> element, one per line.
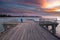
<point>49,19</point>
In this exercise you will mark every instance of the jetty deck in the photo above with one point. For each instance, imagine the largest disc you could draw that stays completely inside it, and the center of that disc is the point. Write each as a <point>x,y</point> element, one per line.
<point>28,31</point>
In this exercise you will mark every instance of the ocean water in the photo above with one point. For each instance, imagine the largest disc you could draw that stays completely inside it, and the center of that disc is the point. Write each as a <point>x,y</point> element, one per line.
<point>58,29</point>
<point>16,19</point>
<point>1,28</point>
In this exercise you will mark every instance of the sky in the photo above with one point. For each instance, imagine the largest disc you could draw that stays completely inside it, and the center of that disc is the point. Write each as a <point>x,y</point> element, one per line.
<point>50,3</point>
<point>25,7</point>
<point>17,6</point>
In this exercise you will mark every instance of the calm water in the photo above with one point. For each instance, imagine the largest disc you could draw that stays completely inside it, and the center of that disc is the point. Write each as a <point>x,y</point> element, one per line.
<point>16,19</point>
<point>58,29</point>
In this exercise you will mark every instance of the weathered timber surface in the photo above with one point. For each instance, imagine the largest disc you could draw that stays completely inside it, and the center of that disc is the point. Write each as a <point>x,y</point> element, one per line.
<point>28,31</point>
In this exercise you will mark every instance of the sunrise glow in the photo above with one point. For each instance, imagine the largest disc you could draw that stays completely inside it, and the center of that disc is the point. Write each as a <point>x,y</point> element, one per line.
<point>51,5</point>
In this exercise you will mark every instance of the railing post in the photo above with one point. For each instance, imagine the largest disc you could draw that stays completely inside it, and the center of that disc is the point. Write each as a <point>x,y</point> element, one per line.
<point>53,29</point>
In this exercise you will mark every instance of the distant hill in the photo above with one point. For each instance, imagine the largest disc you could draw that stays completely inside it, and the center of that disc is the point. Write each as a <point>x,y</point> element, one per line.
<point>3,15</point>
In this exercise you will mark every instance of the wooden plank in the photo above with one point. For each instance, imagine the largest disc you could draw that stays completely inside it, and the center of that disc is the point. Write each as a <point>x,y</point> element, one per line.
<point>28,31</point>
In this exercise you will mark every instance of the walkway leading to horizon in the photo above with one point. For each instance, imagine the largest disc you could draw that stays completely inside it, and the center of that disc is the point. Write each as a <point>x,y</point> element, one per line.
<point>28,31</point>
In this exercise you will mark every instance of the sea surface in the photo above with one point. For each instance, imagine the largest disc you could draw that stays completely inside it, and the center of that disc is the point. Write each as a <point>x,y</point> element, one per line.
<point>17,19</point>
<point>58,29</point>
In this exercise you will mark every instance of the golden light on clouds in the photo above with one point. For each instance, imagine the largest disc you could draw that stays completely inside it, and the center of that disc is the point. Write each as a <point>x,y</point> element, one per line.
<point>52,5</point>
<point>57,10</point>
<point>53,10</point>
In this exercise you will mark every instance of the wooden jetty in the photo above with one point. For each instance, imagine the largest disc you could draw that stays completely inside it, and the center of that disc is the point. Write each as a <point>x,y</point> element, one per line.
<point>45,23</point>
<point>28,31</point>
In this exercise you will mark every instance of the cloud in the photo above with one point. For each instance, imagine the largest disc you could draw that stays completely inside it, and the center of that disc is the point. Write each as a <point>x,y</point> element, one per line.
<point>17,7</point>
<point>24,1</point>
<point>22,6</point>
